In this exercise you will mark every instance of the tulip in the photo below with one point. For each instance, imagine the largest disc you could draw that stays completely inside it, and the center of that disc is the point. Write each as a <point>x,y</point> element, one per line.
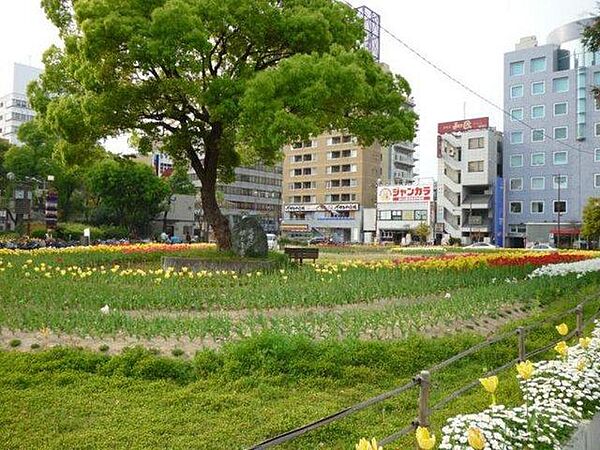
<point>525,369</point>
<point>363,444</point>
<point>581,364</point>
<point>425,440</point>
<point>562,348</point>
<point>490,384</point>
<point>476,439</point>
<point>585,342</point>
<point>562,329</point>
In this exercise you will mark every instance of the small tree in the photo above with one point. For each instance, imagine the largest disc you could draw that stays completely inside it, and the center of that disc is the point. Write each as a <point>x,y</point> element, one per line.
<point>591,219</point>
<point>421,231</point>
<point>131,194</point>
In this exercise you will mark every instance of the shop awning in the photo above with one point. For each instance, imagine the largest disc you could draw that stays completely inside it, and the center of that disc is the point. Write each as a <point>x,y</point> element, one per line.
<point>566,231</point>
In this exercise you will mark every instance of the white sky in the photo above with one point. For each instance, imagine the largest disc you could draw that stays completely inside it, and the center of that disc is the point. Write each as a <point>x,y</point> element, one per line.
<point>466,37</point>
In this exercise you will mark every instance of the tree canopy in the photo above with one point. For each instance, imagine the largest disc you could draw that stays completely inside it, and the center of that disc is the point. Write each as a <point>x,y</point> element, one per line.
<point>591,219</point>
<point>212,80</point>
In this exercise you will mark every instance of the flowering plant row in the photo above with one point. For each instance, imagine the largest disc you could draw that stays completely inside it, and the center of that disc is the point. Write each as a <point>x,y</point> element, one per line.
<point>113,248</point>
<point>557,395</point>
<point>563,269</point>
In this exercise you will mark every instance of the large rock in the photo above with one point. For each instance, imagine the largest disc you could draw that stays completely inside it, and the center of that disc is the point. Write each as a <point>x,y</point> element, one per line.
<point>249,239</point>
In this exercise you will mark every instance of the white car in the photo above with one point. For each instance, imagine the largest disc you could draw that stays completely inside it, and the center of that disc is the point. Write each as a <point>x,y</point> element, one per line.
<point>272,241</point>
<point>544,248</point>
<point>482,246</point>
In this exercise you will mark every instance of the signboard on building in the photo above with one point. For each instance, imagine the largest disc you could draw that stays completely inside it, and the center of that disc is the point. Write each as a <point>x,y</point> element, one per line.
<point>499,212</point>
<point>405,194</point>
<point>463,125</point>
<point>51,210</point>
<point>333,207</point>
<point>294,228</point>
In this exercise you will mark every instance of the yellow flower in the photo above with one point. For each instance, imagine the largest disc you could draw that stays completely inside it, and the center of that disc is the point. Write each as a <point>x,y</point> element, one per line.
<point>363,444</point>
<point>561,348</point>
<point>581,364</point>
<point>424,439</point>
<point>490,384</point>
<point>525,369</point>
<point>585,342</point>
<point>476,438</point>
<point>562,329</point>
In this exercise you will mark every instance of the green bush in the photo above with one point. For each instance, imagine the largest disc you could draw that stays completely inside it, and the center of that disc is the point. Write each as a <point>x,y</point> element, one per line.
<point>74,231</point>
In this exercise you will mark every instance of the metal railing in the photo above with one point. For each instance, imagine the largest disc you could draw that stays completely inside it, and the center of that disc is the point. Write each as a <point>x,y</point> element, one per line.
<point>424,379</point>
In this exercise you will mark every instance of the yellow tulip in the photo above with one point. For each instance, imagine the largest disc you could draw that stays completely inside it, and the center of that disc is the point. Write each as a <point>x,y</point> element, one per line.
<point>562,329</point>
<point>363,444</point>
<point>425,440</point>
<point>476,438</point>
<point>490,384</point>
<point>525,369</point>
<point>562,348</point>
<point>585,342</point>
<point>581,364</point>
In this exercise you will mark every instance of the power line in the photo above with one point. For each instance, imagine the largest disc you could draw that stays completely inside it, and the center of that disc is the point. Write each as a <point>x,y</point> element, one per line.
<point>468,89</point>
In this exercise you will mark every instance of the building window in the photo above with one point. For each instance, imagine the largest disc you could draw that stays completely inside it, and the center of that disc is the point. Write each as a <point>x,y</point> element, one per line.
<point>516,114</point>
<point>516,207</point>
<point>560,109</point>
<point>560,85</point>
<point>537,207</point>
<point>516,184</point>
<point>385,215</point>
<point>560,158</point>
<point>346,139</point>
<point>561,181</point>
<point>538,65</point>
<point>475,166</point>
<point>560,207</point>
<point>538,159</point>
<point>538,88</point>
<point>421,214</point>
<point>597,154</point>
<point>303,144</point>
<point>516,137</point>
<point>517,68</point>
<point>560,133</point>
<point>516,161</point>
<point>597,180</point>
<point>597,129</point>
<point>476,143</point>
<point>537,135</point>
<point>538,183</point>
<point>538,112</point>
<point>516,91</point>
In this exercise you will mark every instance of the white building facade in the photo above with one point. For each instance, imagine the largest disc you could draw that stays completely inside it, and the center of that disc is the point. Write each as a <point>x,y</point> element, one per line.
<point>14,107</point>
<point>469,167</point>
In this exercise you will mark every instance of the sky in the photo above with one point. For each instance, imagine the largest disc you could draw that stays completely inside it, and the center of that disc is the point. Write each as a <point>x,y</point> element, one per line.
<point>467,38</point>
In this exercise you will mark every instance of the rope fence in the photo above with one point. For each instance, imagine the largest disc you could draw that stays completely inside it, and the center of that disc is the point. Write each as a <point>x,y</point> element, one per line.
<point>423,379</point>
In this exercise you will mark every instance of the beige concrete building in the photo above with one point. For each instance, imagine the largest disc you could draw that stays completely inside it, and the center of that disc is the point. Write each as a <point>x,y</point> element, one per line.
<point>328,181</point>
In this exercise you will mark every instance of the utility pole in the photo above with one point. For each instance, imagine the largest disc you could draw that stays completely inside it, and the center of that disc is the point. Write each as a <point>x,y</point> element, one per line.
<point>558,210</point>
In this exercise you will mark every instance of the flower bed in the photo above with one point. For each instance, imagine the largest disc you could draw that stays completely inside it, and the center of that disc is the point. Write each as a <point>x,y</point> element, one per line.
<point>557,395</point>
<point>555,270</point>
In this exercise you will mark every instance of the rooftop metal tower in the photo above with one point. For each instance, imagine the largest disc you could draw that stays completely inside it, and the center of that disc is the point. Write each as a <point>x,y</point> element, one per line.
<point>372,22</point>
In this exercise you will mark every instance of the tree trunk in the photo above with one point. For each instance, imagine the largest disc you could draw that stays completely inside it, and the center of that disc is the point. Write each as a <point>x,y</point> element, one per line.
<point>207,174</point>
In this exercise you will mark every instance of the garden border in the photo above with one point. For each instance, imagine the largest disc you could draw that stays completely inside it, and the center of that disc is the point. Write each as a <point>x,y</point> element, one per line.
<point>423,379</point>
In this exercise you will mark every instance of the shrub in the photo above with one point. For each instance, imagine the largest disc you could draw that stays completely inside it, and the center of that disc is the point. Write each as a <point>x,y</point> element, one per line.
<point>15,342</point>
<point>103,348</point>
<point>35,346</point>
<point>177,352</point>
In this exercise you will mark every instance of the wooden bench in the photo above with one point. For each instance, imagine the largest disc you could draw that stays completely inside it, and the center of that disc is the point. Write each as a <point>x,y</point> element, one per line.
<point>301,253</point>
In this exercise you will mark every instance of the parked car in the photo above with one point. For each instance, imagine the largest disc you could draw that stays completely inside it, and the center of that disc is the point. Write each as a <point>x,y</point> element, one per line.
<point>544,248</point>
<point>319,240</point>
<point>482,246</point>
<point>580,244</point>
<point>272,241</point>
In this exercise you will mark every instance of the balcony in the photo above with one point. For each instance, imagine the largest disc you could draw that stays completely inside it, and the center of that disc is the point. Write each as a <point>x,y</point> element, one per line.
<point>477,201</point>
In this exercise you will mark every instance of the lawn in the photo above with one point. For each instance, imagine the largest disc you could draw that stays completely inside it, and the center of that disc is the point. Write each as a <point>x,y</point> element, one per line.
<point>275,349</point>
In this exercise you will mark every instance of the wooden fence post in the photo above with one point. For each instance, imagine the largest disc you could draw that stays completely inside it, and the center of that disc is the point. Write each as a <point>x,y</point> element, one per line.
<point>579,314</point>
<point>425,387</point>
<point>522,349</point>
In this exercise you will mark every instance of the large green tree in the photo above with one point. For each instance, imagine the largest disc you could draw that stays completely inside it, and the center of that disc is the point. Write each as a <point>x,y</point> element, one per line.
<point>214,79</point>
<point>130,193</point>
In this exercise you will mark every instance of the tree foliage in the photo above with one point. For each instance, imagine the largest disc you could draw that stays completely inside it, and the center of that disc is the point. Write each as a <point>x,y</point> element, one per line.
<point>215,80</point>
<point>179,181</point>
<point>591,219</point>
<point>129,193</point>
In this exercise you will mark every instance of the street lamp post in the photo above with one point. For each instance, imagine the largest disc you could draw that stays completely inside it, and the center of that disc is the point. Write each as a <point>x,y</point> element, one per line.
<point>558,209</point>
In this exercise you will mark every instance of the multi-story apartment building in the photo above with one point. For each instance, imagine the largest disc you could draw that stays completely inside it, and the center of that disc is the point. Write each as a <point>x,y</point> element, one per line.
<point>14,107</point>
<point>551,137</point>
<point>328,181</point>
<point>398,163</point>
<point>469,165</point>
